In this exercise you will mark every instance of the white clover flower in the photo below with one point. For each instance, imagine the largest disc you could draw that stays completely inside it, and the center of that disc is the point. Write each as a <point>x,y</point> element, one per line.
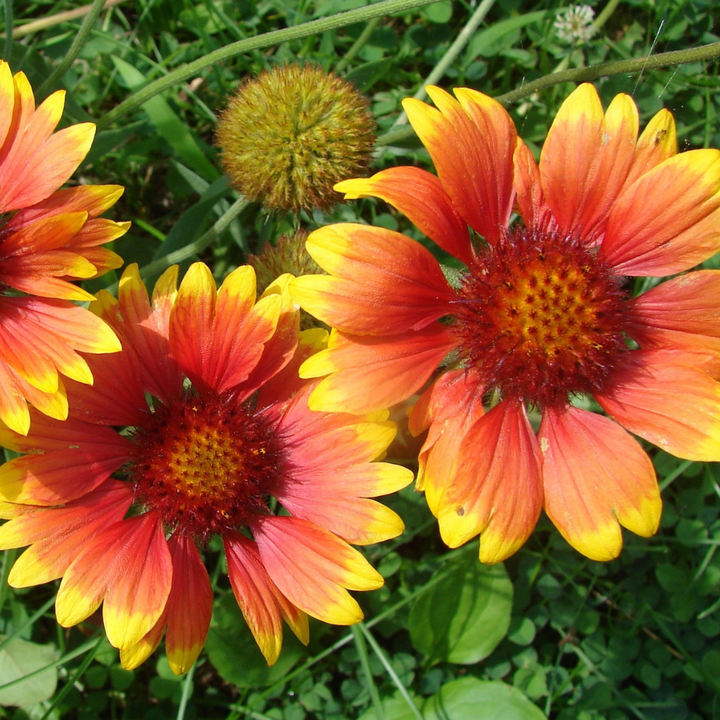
<point>575,24</point>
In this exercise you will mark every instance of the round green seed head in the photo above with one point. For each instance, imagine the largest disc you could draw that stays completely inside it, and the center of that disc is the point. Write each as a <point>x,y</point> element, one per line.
<point>293,132</point>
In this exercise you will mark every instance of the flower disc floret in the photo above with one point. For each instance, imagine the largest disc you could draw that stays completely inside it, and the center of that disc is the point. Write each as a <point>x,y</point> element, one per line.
<point>542,318</point>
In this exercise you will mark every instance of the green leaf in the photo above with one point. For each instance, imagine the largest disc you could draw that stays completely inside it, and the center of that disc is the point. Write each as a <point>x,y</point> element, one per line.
<point>463,617</point>
<point>365,76</point>
<point>473,699</point>
<point>235,654</point>
<point>168,124</point>
<point>438,13</point>
<point>490,42</point>
<point>20,658</point>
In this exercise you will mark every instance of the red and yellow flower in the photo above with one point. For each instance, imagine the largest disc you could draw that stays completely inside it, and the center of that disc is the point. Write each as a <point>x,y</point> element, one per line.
<point>48,237</point>
<point>540,322</point>
<point>199,427</point>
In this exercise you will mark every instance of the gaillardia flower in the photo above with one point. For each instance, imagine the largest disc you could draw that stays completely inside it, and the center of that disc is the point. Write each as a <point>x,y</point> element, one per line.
<point>541,320</point>
<point>47,238</point>
<point>290,134</point>
<point>199,428</point>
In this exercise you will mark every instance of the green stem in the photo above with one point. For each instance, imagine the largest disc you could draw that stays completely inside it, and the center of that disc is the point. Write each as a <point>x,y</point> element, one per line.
<point>365,664</point>
<point>587,74</point>
<point>391,672</point>
<point>275,37</point>
<point>451,53</point>
<point>357,46</point>
<point>70,684</point>
<point>186,692</point>
<point>164,262</point>
<point>75,48</point>
<point>604,16</point>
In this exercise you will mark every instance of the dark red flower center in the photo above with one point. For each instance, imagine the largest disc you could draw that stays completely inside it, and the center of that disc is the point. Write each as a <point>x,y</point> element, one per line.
<point>542,317</point>
<point>205,465</point>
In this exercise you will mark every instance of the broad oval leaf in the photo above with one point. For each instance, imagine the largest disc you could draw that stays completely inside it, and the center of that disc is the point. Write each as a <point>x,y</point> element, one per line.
<point>19,659</point>
<point>472,699</point>
<point>463,617</point>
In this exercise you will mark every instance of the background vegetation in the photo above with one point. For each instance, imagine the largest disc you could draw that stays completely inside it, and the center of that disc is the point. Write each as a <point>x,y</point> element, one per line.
<point>550,634</point>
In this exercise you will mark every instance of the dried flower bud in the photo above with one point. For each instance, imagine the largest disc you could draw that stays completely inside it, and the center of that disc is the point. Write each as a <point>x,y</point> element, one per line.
<point>290,134</point>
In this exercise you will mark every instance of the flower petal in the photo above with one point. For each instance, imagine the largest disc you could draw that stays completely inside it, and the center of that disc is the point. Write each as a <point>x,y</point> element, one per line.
<point>495,485</point>
<point>658,142</point>
<point>595,475</point>
<point>586,159</point>
<point>189,606</point>
<point>146,326</point>
<point>447,409</point>
<point>669,219</point>
<point>129,566</point>
<point>371,374</point>
<point>382,283</point>
<point>660,396</point>
<point>57,535</point>
<point>260,601</point>
<point>680,313</point>
<point>312,567</point>
<point>471,141</point>
<point>421,197</point>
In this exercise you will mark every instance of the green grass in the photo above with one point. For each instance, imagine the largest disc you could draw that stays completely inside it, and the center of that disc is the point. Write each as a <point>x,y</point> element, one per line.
<point>578,640</point>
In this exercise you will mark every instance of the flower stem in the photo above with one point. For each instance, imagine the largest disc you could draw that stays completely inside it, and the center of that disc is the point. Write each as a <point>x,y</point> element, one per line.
<point>604,16</point>
<point>357,46</point>
<point>274,37</point>
<point>93,14</point>
<point>452,52</point>
<point>587,74</point>
<point>52,20</point>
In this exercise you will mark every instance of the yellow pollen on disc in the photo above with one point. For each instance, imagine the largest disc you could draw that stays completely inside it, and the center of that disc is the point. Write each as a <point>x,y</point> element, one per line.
<point>204,466</point>
<point>548,312</point>
<point>541,318</point>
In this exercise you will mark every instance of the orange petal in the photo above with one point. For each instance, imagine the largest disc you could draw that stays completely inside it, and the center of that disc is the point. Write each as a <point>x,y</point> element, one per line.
<point>312,567</point>
<point>39,163</point>
<point>191,319</point>
<point>241,328</point>
<point>669,219</point>
<point>255,593</point>
<point>369,374</point>
<point>660,396</point>
<point>128,565</point>
<point>658,142</point>
<point>57,535</point>
<point>494,486</point>
<point>680,313</point>
<point>447,409</point>
<point>14,410</point>
<point>189,606</point>
<point>279,351</point>
<point>146,325</point>
<point>421,197</point>
<point>595,475</point>
<point>283,385</point>
<point>532,206</point>
<point>471,141</point>
<point>586,159</point>
<point>60,476</point>
<point>92,199</point>
<point>48,233</point>
<point>382,283</point>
